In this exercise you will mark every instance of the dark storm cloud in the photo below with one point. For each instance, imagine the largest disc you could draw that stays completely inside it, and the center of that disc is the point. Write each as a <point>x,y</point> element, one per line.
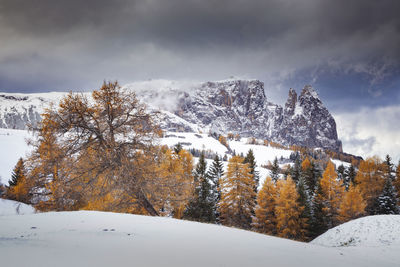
<point>59,45</point>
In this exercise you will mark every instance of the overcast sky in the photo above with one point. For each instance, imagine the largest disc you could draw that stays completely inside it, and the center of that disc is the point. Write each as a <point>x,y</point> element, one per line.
<point>348,50</point>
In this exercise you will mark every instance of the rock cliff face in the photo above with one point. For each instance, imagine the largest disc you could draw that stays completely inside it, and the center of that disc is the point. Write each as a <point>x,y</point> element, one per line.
<point>236,106</point>
<point>241,106</point>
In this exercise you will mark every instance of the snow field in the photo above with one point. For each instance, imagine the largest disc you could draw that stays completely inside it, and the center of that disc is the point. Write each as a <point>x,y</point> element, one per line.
<point>88,238</point>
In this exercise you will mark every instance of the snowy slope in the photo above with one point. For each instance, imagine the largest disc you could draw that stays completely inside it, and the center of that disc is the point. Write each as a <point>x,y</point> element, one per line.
<point>107,239</point>
<point>12,147</point>
<point>11,207</point>
<point>371,231</point>
<point>263,154</point>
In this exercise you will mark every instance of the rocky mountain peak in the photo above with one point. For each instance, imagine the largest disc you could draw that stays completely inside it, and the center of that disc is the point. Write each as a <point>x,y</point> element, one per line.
<point>308,92</point>
<point>291,102</point>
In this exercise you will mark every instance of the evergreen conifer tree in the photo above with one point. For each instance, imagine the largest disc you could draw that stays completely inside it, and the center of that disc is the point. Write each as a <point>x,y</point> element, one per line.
<point>396,182</point>
<point>304,201</point>
<point>178,148</point>
<point>296,170</point>
<point>387,200</point>
<point>275,170</point>
<point>389,168</point>
<point>341,172</point>
<point>202,206</point>
<point>215,174</point>
<point>318,224</point>
<point>251,161</point>
<point>311,174</point>
<point>350,175</point>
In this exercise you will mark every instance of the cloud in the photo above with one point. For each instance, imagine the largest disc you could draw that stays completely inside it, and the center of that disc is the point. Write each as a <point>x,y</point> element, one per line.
<point>371,131</point>
<point>60,45</point>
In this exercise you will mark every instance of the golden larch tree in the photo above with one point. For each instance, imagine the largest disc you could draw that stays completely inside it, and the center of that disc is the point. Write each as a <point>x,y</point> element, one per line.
<point>352,205</point>
<point>264,220</point>
<point>175,177</point>
<point>113,124</point>
<point>330,195</point>
<point>288,211</point>
<point>237,195</point>
<point>370,180</point>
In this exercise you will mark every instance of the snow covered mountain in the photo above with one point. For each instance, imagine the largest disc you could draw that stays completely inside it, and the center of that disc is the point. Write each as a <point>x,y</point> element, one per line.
<point>230,106</point>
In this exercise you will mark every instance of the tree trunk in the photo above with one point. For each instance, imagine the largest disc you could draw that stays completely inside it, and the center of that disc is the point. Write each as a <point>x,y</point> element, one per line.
<point>146,204</point>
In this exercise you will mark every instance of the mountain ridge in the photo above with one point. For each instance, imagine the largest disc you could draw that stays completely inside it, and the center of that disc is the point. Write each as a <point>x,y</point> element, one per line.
<point>229,106</point>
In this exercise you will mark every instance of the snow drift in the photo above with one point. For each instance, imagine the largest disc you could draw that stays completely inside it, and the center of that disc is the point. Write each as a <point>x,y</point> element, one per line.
<point>370,231</point>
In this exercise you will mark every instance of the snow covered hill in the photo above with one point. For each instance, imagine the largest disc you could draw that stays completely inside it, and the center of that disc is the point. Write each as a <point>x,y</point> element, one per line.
<point>371,231</point>
<point>108,239</point>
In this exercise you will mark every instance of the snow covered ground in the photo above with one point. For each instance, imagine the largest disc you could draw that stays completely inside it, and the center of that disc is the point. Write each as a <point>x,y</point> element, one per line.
<point>263,154</point>
<point>87,238</point>
<point>373,237</point>
<point>10,207</point>
<point>370,231</point>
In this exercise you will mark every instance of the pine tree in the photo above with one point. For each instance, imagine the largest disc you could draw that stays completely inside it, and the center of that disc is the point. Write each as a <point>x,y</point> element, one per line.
<point>304,201</point>
<point>202,206</point>
<point>275,170</point>
<point>215,173</point>
<point>330,195</point>
<point>387,200</point>
<point>389,168</point>
<point>296,170</point>
<point>251,161</point>
<point>318,224</point>
<point>341,175</point>
<point>350,176</point>
<point>370,180</point>
<point>178,148</point>
<point>396,182</point>
<point>237,195</point>
<point>288,211</point>
<point>352,206</point>
<point>310,173</point>
<point>264,220</point>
